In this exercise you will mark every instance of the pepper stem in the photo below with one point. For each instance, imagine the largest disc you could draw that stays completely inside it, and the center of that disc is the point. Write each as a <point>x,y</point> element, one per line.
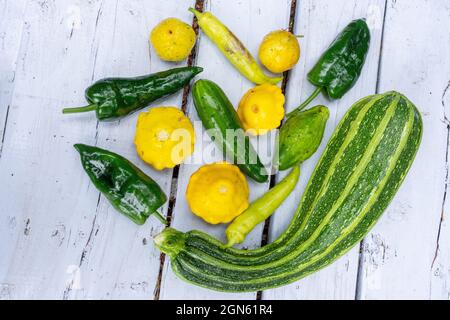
<point>229,244</point>
<point>306,102</point>
<point>160,217</point>
<point>195,12</point>
<point>87,108</point>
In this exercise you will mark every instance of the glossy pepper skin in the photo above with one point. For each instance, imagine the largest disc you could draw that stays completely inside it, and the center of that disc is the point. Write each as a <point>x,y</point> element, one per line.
<point>232,48</point>
<point>127,188</point>
<point>340,66</point>
<point>113,98</point>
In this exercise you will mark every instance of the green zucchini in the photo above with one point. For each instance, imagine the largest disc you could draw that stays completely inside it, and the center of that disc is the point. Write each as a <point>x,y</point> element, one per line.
<point>358,174</point>
<point>220,119</point>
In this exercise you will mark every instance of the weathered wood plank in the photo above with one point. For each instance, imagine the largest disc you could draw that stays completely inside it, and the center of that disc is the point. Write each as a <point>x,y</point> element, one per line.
<point>37,184</point>
<point>11,29</point>
<point>320,21</point>
<point>64,240</point>
<point>131,269</point>
<point>407,254</point>
<point>250,21</point>
<point>59,239</point>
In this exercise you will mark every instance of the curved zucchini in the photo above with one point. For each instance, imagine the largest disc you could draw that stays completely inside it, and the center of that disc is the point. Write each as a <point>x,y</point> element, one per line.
<point>222,122</point>
<point>358,174</point>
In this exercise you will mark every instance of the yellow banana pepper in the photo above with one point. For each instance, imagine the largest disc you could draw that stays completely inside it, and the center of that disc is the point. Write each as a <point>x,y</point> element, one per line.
<point>232,48</point>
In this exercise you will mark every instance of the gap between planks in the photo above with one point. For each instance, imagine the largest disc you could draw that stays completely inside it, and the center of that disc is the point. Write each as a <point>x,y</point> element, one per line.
<point>199,6</point>
<point>265,233</point>
<point>377,89</point>
<point>444,197</point>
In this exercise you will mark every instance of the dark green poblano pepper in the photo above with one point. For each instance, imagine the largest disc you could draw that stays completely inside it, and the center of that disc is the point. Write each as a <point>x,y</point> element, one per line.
<point>340,65</point>
<point>300,136</point>
<point>127,188</point>
<point>113,98</point>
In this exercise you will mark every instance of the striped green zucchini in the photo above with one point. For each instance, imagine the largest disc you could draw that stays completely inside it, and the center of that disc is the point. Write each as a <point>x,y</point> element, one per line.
<point>356,177</point>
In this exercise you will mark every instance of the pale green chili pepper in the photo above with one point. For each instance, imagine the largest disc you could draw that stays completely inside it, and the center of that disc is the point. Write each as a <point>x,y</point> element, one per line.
<point>232,48</point>
<point>261,209</point>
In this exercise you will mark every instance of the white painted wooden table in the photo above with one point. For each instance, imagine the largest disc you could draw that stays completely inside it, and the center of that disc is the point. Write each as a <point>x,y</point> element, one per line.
<point>60,239</point>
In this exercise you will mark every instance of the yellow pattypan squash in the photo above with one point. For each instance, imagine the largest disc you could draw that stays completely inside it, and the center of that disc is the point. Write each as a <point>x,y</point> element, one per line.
<point>173,39</point>
<point>279,51</point>
<point>261,109</point>
<point>164,137</point>
<point>217,192</point>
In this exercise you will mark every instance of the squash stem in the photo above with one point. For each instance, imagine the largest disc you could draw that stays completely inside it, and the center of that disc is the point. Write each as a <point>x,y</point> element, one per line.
<point>87,108</point>
<point>306,102</point>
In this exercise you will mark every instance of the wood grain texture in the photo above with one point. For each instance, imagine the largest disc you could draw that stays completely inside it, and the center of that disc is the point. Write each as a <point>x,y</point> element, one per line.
<point>320,22</point>
<point>113,271</point>
<point>37,188</point>
<point>65,241</point>
<point>241,17</point>
<point>407,254</point>
<point>11,30</point>
<point>60,239</point>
